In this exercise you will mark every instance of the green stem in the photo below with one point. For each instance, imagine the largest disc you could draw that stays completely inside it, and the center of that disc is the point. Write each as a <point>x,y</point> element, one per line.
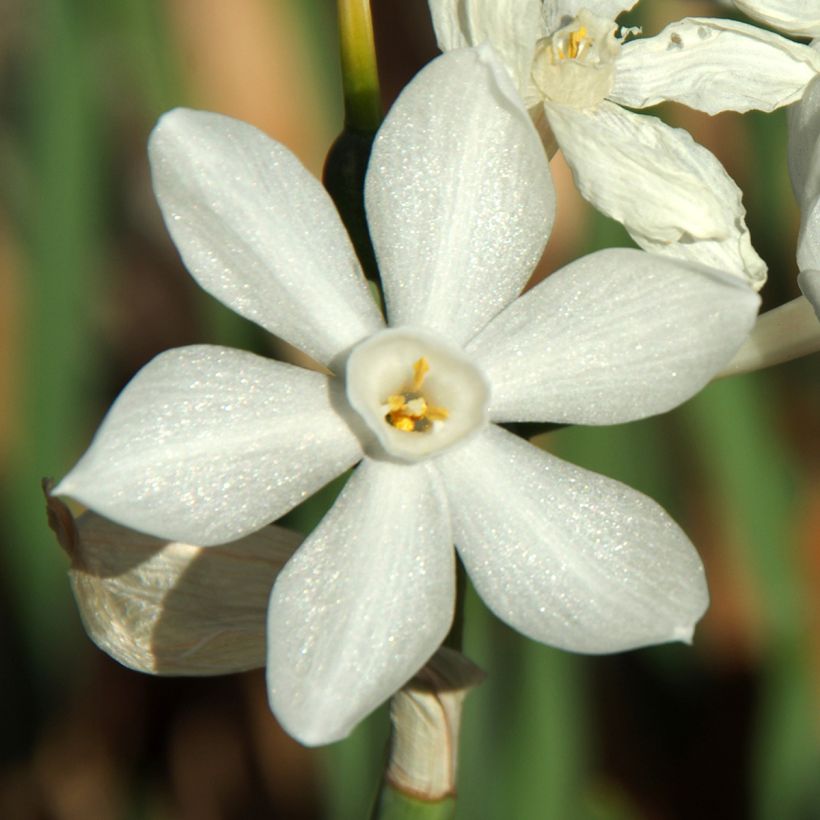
<point>346,163</point>
<point>394,805</point>
<point>360,77</point>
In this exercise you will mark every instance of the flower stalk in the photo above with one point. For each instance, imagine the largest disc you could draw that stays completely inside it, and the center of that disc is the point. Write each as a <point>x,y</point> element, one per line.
<point>360,77</point>
<point>787,332</point>
<point>346,162</point>
<point>420,778</point>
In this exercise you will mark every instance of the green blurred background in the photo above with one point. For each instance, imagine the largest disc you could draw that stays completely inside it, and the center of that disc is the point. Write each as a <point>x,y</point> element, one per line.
<point>91,288</point>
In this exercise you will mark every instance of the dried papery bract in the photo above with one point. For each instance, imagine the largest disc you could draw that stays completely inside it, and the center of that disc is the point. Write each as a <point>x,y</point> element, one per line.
<point>426,716</point>
<point>169,608</point>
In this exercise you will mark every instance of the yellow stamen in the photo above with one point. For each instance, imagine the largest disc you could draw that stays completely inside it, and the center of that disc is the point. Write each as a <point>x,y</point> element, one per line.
<point>438,413</point>
<point>576,41</point>
<point>408,411</point>
<point>420,369</point>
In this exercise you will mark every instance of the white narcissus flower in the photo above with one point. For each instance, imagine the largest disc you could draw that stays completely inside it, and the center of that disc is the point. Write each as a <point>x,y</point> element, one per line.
<point>572,69</point>
<point>207,444</point>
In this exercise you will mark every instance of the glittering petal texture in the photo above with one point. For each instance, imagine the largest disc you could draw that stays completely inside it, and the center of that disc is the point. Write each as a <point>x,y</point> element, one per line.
<point>615,336</point>
<point>714,65</point>
<point>809,281</point>
<point>207,444</point>
<point>557,12</point>
<point>569,557</point>
<point>804,138</point>
<point>512,26</point>
<point>808,242</point>
<point>800,18</point>
<point>459,196</point>
<point>671,194</point>
<point>257,231</point>
<point>363,604</point>
<point>168,608</point>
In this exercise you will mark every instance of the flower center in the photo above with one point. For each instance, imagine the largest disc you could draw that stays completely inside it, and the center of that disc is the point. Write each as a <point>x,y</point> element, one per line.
<point>409,411</point>
<point>417,393</point>
<point>576,64</point>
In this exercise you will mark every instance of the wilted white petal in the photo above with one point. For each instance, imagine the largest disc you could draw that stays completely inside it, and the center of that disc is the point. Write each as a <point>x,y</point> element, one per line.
<point>734,255</point>
<point>511,26</point>
<point>671,194</point>
<point>459,196</point>
<point>175,609</point>
<point>569,557</point>
<point>558,12</point>
<point>364,602</point>
<point>804,139</point>
<point>207,444</point>
<point>615,336</point>
<point>714,65</point>
<point>798,17</point>
<point>257,231</point>
<point>809,281</point>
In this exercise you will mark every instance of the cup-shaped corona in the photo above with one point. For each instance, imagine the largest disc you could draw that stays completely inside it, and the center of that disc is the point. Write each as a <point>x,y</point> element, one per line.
<point>576,65</point>
<point>416,392</point>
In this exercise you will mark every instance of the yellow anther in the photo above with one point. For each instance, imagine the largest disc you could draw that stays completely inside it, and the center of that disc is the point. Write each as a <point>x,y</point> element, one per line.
<point>408,411</point>
<point>405,424</point>
<point>395,402</point>
<point>576,41</point>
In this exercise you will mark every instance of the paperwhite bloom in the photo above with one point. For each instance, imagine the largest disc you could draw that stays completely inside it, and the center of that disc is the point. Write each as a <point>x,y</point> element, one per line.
<point>571,69</point>
<point>207,444</point>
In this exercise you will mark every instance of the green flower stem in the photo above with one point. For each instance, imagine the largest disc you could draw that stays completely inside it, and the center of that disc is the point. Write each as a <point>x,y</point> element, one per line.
<point>347,160</point>
<point>360,77</point>
<point>394,805</point>
<point>420,776</point>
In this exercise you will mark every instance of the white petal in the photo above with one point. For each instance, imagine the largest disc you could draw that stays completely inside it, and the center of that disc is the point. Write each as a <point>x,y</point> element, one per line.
<point>207,444</point>
<point>671,194</point>
<point>808,241</point>
<point>175,609</point>
<point>363,604</point>
<point>809,281</point>
<point>615,336</point>
<point>511,26</point>
<point>459,196</point>
<point>556,12</point>
<point>798,17</point>
<point>714,65</point>
<point>257,231</point>
<point>566,556</point>
<point>804,137</point>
